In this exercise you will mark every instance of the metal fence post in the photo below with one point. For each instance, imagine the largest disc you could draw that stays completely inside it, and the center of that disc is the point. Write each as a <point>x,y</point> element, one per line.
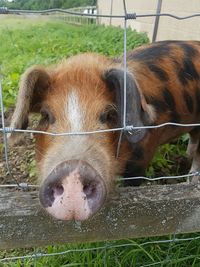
<point>157,19</point>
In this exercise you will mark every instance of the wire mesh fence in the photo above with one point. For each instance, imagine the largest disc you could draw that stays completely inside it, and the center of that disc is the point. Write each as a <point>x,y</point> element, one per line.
<point>125,128</point>
<point>107,246</point>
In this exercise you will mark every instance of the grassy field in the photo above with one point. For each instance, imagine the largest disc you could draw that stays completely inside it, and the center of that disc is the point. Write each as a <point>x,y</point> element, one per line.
<point>37,41</point>
<point>25,42</point>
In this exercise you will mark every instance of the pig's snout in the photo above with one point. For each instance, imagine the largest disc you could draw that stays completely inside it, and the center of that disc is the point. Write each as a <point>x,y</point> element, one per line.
<point>73,191</point>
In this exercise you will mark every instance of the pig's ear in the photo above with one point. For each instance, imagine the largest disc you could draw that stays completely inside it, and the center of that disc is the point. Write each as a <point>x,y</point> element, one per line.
<point>138,112</point>
<point>32,90</point>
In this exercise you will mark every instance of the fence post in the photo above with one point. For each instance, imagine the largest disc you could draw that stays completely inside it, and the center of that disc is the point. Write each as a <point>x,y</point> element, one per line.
<point>155,30</point>
<point>111,10</point>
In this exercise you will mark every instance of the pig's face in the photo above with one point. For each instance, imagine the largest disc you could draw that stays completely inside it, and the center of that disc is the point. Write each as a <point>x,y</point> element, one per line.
<point>76,171</point>
<point>84,93</point>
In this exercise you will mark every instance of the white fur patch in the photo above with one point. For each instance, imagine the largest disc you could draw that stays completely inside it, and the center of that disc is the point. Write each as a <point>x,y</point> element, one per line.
<point>74,112</point>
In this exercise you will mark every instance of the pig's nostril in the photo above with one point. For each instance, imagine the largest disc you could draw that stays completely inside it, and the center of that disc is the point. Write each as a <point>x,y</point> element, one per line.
<point>57,190</point>
<point>50,193</point>
<point>90,190</point>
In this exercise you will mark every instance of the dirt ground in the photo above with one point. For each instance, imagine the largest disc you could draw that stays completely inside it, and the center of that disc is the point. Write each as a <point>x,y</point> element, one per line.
<point>20,159</point>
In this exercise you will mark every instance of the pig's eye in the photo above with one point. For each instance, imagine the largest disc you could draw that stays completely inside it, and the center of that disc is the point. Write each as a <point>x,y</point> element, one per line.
<point>47,116</point>
<point>109,116</point>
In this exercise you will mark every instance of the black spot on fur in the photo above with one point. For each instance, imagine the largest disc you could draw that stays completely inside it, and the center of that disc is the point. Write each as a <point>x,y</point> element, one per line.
<point>189,50</point>
<point>133,170</point>
<point>182,76</point>
<point>188,72</point>
<point>170,102</point>
<point>138,152</point>
<point>167,104</point>
<point>161,49</point>
<point>159,72</point>
<point>188,100</point>
<point>158,50</point>
<point>169,99</point>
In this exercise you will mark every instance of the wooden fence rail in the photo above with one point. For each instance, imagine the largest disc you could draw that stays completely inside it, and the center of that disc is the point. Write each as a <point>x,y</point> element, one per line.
<point>132,212</point>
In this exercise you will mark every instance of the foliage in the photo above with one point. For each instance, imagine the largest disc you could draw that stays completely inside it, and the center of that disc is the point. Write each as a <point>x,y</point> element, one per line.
<point>47,4</point>
<point>166,155</point>
<point>133,253</point>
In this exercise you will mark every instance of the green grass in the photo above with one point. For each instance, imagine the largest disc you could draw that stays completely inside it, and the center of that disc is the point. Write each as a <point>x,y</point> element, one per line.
<point>27,42</point>
<point>130,253</point>
<point>45,42</point>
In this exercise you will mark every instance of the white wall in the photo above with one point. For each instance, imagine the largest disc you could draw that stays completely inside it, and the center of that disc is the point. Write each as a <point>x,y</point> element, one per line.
<point>168,28</point>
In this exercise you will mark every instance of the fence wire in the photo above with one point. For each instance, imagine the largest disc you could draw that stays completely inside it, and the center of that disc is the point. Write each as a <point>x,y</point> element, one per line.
<point>126,16</point>
<point>107,246</point>
<point>129,128</point>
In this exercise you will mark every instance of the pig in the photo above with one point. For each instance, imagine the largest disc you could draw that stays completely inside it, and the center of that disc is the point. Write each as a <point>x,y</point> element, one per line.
<point>85,92</point>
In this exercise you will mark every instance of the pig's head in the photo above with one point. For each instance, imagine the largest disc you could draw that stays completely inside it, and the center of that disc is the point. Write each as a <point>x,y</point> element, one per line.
<point>81,94</point>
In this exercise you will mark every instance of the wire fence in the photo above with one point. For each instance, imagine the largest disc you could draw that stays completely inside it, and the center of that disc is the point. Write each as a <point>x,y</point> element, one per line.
<point>107,246</point>
<point>125,128</point>
<point>131,129</point>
